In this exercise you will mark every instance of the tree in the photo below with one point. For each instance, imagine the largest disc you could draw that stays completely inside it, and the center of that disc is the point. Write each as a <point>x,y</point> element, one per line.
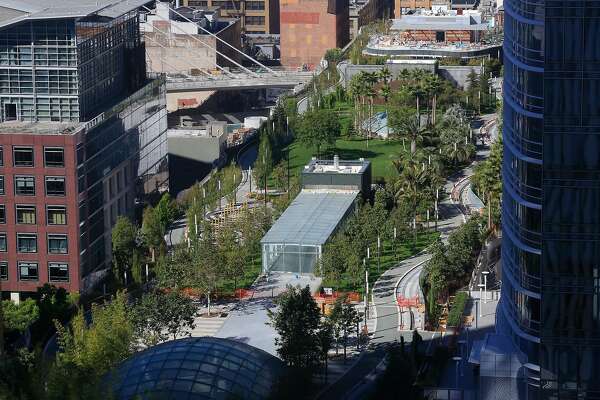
<point>280,175</point>
<point>318,128</point>
<point>434,88</point>
<point>158,315</point>
<point>473,89</point>
<point>297,321</point>
<point>264,162</point>
<point>406,124</point>
<point>152,230</point>
<point>124,235</point>
<point>18,317</point>
<point>166,212</point>
<point>206,264</point>
<point>90,347</point>
<point>333,55</point>
<point>344,319</point>
<point>233,252</point>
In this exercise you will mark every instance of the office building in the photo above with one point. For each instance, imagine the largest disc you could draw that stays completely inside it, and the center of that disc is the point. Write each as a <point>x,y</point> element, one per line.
<point>311,27</point>
<point>550,303</point>
<point>82,136</point>
<point>256,16</point>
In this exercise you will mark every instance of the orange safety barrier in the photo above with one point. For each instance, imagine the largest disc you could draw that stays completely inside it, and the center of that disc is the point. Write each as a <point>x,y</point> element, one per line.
<point>244,293</point>
<point>329,299</point>
<point>408,301</point>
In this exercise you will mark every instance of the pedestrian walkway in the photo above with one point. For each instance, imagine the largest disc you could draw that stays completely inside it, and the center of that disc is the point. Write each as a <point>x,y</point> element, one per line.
<point>205,326</point>
<point>385,292</point>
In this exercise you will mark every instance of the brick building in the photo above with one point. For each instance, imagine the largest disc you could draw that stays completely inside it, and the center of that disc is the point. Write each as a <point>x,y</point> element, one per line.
<point>82,136</point>
<point>256,16</point>
<point>310,27</point>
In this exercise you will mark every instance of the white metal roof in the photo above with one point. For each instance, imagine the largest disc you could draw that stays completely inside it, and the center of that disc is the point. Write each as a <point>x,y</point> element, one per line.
<point>13,11</point>
<point>311,218</point>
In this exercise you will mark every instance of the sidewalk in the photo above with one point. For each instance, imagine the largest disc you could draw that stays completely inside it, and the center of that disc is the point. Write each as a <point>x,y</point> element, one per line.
<point>385,292</point>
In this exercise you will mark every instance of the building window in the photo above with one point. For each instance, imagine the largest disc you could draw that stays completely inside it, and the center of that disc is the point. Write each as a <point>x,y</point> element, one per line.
<point>58,272</point>
<point>2,214</point>
<point>255,5</point>
<point>26,242</point>
<point>23,156</point>
<point>54,157</point>
<point>55,185</point>
<point>1,184</point>
<point>28,271</point>
<point>197,3</point>
<point>24,186</point>
<point>1,156</point>
<point>25,214</point>
<point>3,245</point>
<point>255,20</point>
<point>57,244</point>
<point>3,270</point>
<point>57,215</point>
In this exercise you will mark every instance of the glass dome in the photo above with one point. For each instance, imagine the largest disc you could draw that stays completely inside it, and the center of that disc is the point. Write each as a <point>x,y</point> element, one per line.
<point>198,368</point>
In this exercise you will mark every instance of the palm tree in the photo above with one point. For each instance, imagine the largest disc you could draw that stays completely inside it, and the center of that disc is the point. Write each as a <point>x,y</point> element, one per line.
<point>407,125</point>
<point>384,75</point>
<point>417,90</point>
<point>410,186</point>
<point>434,86</point>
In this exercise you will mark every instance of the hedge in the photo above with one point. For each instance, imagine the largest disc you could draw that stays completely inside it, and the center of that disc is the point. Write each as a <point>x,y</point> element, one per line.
<point>456,312</point>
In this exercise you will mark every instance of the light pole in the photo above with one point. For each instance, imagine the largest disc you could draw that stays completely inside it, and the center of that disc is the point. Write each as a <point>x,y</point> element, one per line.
<point>220,195</point>
<point>378,252</point>
<point>485,274</point>
<point>457,360</point>
<point>480,294</point>
<point>250,179</point>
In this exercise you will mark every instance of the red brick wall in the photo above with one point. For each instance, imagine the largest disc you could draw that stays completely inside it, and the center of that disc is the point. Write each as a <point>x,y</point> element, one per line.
<point>308,31</point>
<point>40,200</point>
<point>430,36</point>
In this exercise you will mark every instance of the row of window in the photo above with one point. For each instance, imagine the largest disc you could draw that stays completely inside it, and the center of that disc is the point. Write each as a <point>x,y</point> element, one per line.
<point>27,214</point>
<point>27,243</point>
<point>29,271</point>
<point>23,156</point>
<point>24,185</point>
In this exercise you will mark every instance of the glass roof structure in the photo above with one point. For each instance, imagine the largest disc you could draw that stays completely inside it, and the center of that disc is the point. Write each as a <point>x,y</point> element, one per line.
<point>294,242</point>
<point>198,368</point>
<point>311,218</point>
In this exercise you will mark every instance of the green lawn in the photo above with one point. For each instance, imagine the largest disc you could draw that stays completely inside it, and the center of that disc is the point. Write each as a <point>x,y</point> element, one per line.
<point>380,153</point>
<point>390,256</point>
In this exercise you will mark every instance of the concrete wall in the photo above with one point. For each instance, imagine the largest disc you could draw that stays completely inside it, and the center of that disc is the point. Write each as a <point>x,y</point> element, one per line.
<point>206,149</point>
<point>177,101</point>
<point>457,74</point>
<point>347,71</point>
<point>180,53</point>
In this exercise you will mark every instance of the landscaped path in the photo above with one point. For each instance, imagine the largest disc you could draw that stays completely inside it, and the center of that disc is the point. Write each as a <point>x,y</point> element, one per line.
<point>402,279</point>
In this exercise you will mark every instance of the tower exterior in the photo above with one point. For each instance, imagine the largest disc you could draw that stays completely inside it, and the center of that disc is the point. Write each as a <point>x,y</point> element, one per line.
<point>550,304</point>
<point>82,136</point>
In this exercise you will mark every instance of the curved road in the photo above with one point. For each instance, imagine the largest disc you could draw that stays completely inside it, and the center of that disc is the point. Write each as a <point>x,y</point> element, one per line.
<point>402,279</point>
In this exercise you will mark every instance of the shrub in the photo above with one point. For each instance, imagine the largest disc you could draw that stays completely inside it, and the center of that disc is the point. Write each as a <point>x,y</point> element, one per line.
<point>456,312</point>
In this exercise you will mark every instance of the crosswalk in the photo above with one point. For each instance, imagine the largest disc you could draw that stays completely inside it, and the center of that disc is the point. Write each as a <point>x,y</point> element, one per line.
<point>207,326</point>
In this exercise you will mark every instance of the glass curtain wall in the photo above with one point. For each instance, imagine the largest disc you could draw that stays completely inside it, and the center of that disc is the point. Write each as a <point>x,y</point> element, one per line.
<point>296,258</point>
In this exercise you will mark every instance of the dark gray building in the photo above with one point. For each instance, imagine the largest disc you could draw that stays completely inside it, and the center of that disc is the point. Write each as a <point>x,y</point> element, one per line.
<point>338,175</point>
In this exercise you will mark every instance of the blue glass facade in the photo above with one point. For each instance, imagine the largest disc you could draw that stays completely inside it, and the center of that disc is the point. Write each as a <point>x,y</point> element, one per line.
<point>551,233</point>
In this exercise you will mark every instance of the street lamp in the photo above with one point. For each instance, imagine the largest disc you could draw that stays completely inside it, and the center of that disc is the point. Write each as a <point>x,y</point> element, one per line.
<point>485,274</point>
<point>457,360</point>
<point>481,285</point>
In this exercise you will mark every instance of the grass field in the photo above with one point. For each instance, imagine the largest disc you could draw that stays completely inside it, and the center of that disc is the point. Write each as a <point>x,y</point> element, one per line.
<point>389,257</point>
<point>380,152</point>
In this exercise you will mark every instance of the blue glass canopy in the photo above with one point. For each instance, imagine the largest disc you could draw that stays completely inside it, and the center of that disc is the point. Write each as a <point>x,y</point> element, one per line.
<point>198,368</point>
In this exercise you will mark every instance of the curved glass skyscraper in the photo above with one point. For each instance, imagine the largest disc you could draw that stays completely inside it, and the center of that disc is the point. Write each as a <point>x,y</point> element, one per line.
<point>550,303</point>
